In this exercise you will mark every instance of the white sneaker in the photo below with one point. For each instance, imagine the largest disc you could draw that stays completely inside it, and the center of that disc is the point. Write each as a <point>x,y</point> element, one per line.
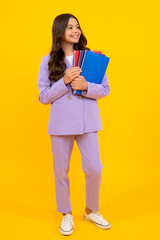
<point>66,224</point>
<point>96,218</point>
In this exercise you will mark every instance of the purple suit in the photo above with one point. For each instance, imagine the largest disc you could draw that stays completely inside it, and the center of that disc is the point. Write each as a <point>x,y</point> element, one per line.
<point>75,118</point>
<point>70,114</point>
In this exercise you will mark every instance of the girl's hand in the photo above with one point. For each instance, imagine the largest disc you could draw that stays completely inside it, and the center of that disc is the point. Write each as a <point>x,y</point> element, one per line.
<point>71,73</point>
<point>79,83</point>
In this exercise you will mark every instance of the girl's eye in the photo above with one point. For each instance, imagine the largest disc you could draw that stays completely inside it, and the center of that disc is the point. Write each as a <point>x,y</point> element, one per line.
<point>71,27</point>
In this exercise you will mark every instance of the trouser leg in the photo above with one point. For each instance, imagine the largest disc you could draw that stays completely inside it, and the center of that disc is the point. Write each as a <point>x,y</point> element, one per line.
<point>61,150</point>
<point>90,153</point>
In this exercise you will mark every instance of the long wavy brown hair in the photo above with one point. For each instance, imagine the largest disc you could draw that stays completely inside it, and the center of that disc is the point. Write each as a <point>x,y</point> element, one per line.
<point>56,63</point>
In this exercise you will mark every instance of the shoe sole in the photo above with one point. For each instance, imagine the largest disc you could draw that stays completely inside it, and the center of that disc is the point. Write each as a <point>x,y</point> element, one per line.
<point>65,232</point>
<point>98,225</point>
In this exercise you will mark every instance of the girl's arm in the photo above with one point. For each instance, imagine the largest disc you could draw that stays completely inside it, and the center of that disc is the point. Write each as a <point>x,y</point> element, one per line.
<point>96,90</point>
<point>48,94</point>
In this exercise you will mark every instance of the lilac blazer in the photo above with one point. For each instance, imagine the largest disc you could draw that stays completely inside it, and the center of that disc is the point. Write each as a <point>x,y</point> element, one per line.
<point>70,114</point>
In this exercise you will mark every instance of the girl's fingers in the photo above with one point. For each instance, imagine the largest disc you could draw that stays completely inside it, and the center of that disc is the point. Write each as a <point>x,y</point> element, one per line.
<point>75,69</point>
<point>75,74</point>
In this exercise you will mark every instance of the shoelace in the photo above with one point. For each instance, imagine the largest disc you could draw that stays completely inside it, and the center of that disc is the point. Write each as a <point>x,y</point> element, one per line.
<point>98,213</point>
<point>69,217</point>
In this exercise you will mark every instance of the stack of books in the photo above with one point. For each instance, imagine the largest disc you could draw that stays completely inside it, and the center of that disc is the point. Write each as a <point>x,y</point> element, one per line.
<point>93,65</point>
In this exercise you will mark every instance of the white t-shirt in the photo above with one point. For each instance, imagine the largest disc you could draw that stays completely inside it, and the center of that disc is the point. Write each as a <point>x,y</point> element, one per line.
<point>70,59</point>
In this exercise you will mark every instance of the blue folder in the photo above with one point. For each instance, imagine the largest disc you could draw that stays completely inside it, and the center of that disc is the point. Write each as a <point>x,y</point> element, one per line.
<point>93,67</point>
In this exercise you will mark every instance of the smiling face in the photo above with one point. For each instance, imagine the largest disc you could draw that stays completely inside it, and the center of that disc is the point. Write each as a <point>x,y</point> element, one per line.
<point>72,32</point>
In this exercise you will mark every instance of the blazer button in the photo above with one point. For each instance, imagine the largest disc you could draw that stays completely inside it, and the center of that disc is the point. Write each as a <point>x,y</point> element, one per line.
<point>69,97</point>
<point>80,97</point>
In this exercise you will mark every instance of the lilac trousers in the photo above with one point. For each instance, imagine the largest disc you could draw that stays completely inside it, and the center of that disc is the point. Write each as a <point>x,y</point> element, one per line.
<point>88,145</point>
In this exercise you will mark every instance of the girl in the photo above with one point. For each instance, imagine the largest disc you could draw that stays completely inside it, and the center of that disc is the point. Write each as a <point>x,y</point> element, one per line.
<point>72,117</point>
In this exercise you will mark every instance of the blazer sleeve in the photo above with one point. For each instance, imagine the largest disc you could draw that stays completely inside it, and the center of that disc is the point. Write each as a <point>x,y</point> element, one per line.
<point>96,90</point>
<point>48,94</point>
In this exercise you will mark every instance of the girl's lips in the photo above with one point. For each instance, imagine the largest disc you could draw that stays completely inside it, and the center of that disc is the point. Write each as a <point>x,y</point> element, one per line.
<point>75,36</point>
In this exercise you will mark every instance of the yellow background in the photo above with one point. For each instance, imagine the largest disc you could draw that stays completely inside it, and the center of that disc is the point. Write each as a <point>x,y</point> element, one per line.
<point>128,33</point>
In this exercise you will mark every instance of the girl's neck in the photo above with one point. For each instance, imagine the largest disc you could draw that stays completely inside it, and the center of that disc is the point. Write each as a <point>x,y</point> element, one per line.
<point>67,54</point>
<point>68,49</point>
